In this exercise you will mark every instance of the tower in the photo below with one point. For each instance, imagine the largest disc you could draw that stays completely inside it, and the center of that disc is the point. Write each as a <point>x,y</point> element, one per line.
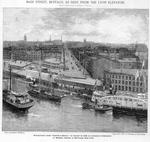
<point>25,38</point>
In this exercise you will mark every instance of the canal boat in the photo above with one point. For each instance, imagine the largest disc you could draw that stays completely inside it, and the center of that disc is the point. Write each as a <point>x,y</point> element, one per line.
<point>43,94</point>
<point>18,101</point>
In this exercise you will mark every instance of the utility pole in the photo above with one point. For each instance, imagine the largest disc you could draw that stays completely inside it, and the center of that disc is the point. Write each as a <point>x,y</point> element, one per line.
<point>11,53</point>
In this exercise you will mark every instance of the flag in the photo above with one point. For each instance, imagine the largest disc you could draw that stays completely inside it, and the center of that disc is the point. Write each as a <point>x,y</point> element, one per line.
<point>137,74</point>
<point>143,63</point>
<point>141,71</point>
<point>95,85</point>
<point>144,82</point>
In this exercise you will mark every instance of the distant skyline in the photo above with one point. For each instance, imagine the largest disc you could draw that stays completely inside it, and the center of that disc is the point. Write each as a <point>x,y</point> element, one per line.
<point>98,25</point>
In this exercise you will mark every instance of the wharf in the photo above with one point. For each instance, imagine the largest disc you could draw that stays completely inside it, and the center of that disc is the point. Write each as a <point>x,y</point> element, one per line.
<point>88,83</point>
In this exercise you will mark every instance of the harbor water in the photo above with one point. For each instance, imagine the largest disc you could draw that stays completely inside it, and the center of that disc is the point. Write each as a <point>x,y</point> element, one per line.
<point>67,116</point>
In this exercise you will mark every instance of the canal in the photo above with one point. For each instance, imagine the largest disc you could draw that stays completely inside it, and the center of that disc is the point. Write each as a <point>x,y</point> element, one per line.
<point>67,116</point>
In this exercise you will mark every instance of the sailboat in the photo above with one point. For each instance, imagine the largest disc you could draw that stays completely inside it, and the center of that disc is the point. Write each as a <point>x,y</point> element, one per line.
<point>17,101</point>
<point>36,91</point>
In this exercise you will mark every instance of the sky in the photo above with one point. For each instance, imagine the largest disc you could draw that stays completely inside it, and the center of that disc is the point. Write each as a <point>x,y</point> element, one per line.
<point>97,25</point>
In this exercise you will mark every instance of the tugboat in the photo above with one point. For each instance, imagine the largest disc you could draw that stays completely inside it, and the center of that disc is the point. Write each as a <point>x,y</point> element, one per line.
<point>18,101</point>
<point>87,105</point>
<point>102,108</point>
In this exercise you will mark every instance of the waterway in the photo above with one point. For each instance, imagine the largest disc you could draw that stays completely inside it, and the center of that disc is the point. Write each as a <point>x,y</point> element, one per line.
<point>67,116</point>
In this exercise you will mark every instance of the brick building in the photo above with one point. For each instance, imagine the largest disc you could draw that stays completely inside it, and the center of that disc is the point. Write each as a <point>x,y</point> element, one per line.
<point>127,79</point>
<point>99,64</point>
<point>31,51</point>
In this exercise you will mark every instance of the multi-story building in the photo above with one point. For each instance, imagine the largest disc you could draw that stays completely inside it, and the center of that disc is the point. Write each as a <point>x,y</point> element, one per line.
<point>31,51</point>
<point>131,80</point>
<point>129,63</point>
<point>142,51</point>
<point>97,65</point>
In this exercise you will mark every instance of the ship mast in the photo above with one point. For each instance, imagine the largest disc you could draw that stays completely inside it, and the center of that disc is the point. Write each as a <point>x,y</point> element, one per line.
<point>50,83</point>
<point>40,63</point>
<point>10,77</point>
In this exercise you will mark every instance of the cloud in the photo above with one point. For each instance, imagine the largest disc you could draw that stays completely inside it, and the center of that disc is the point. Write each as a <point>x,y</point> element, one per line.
<point>100,25</point>
<point>122,29</point>
<point>18,22</point>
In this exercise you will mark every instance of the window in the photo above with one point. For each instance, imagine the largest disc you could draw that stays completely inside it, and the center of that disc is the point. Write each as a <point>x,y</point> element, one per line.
<point>119,87</point>
<point>122,88</point>
<point>129,82</point>
<point>137,83</point>
<point>133,89</point>
<point>119,77</point>
<point>122,81</point>
<point>133,83</point>
<point>129,77</point>
<point>116,87</point>
<point>115,81</point>
<point>129,88</point>
<point>126,77</point>
<point>126,82</point>
<point>125,99</point>
<point>126,88</point>
<point>141,78</point>
<point>122,77</point>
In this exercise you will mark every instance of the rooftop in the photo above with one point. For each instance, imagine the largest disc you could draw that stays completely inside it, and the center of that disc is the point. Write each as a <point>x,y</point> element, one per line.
<point>141,48</point>
<point>87,81</point>
<point>130,71</point>
<point>53,61</point>
<point>127,60</point>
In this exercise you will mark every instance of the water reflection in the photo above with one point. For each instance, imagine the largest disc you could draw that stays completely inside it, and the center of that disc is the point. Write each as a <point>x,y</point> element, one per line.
<point>67,115</point>
<point>17,114</point>
<point>135,117</point>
